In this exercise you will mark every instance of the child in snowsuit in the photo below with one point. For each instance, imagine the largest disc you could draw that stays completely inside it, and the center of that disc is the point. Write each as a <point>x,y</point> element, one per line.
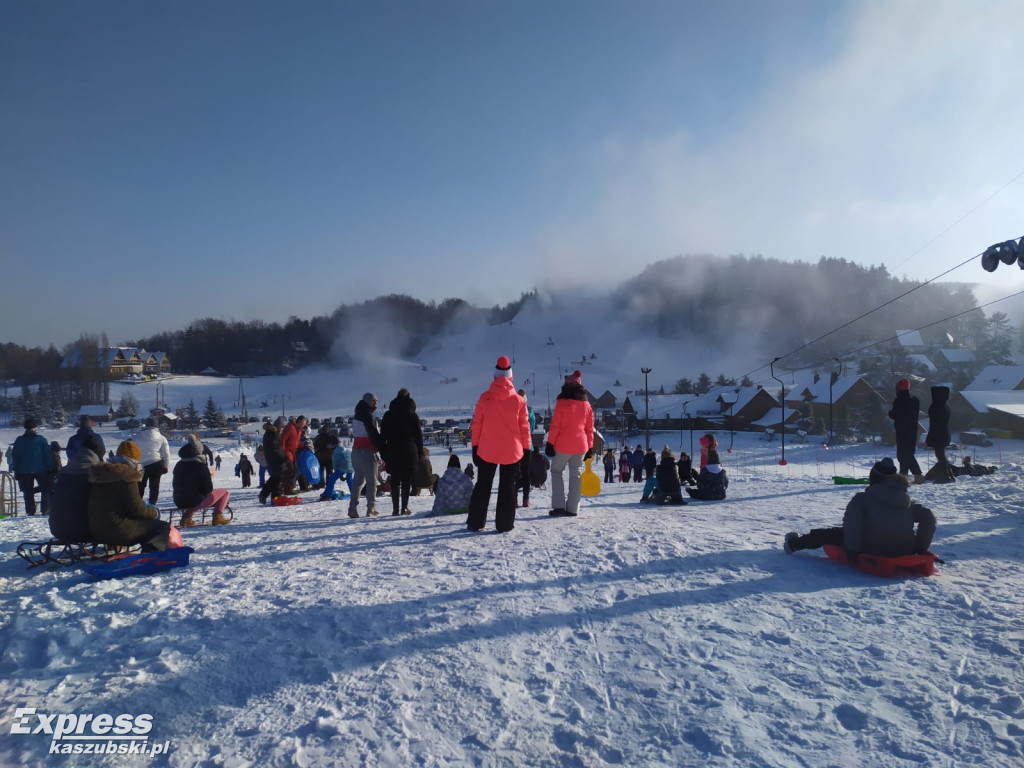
<point>712,480</point>
<point>878,521</point>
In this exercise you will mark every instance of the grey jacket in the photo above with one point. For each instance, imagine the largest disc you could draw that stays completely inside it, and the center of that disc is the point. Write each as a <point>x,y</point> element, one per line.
<point>880,521</point>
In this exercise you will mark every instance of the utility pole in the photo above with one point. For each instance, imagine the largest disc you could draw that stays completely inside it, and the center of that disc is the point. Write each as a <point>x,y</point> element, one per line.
<point>647,408</point>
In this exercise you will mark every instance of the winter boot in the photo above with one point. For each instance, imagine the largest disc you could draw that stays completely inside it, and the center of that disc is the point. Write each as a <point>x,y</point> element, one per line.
<point>790,543</point>
<point>406,511</point>
<point>918,479</point>
<point>220,519</point>
<point>186,521</point>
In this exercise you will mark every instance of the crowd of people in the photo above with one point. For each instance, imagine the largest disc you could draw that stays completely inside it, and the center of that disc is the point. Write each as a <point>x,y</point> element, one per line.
<point>111,497</point>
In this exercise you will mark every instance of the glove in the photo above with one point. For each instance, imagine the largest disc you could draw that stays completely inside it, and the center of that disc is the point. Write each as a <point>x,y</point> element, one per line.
<point>476,457</point>
<point>549,450</point>
<point>588,455</point>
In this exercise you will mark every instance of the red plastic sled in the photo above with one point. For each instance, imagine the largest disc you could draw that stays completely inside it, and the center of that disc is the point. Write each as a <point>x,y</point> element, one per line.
<point>889,567</point>
<point>287,501</point>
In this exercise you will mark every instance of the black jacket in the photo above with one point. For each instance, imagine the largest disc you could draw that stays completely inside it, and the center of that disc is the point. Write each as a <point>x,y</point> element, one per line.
<point>401,437</point>
<point>668,477</point>
<point>938,419</point>
<point>69,513</point>
<point>191,481</point>
<point>906,410</point>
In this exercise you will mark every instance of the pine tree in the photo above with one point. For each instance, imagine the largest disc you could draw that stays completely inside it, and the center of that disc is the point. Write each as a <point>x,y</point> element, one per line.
<point>683,387</point>
<point>190,416</point>
<point>703,384</point>
<point>128,406</point>
<point>212,415</point>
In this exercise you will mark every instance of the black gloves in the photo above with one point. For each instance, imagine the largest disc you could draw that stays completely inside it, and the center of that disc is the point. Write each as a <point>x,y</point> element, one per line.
<point>549,450</point>
<point>588,455</point>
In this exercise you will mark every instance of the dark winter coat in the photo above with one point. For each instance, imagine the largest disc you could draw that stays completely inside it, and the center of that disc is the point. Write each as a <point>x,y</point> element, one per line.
<point>636,458</point>
<point>539,466</point>
<point>687,474</point>
<point>880,520</point>
<point>365,434</point>
<point>650,462</point>
<point>402,437</point>
<point>324,444</point>
<point>75,441</point>
<point>191,481</point>
<point>938,419</point>
<point>668,478</point>
<point>245,467</point>
<point>711,484</point>
<point>273,453</point>
<point>608,461</point>
<point>116,512</point>
<point>69,513</point>
<point>31,454</point>
<point>906,410</point>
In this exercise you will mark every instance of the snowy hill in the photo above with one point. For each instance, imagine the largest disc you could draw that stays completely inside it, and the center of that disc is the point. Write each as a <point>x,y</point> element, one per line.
<point>629,636</point>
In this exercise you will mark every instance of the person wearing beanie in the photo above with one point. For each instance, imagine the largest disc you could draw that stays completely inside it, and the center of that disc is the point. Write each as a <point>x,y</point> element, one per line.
<point>366,443</point>
<point>117,515</point>
<point>245,470</point>
<point>609,465</point>
<point>905,412</point>
<point>454,490</point>
<point>85,427</point>
<point>878,521</point>
<point>570,443</point>
<point>670,490</point>
<point>32,462</point>
<point>192,485</point>
<point>708,442</point>
<point>500,435</point>
<point>636,461</point>
<point>712,480</point>
<point>155,460</point>
<point>938,436</point>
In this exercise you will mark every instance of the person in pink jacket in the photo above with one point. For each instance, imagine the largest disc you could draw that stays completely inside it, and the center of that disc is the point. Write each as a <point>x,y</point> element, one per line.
<point>570,443</point>
<point>500,435</point>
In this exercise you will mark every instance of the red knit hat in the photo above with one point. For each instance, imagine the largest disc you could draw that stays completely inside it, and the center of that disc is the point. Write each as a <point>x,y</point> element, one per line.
<point>503,368</point>
<point>574,378</point>
<point>903,384</point>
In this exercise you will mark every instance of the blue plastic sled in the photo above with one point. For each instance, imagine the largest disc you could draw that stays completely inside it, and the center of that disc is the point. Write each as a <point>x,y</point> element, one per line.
<point>308,464</point>
<point>139,565</point>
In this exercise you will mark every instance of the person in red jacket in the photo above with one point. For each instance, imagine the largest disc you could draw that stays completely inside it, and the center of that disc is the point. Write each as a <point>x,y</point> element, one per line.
<point>500,436</point>
<point>570,443</point>
<point>291,436</point>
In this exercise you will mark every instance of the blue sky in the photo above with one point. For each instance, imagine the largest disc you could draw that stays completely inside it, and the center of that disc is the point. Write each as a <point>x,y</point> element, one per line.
<point>161,162</point>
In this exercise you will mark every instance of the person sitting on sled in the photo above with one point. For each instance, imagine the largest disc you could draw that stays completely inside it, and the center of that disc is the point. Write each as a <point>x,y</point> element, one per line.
<point>878,521</point>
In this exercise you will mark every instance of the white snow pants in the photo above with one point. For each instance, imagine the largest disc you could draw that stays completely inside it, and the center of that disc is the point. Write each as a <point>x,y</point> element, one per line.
<point>558,464</point>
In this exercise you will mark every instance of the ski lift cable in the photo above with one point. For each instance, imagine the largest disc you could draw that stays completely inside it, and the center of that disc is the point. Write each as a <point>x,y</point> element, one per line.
<point>955,223</point>
<point>899,335</point>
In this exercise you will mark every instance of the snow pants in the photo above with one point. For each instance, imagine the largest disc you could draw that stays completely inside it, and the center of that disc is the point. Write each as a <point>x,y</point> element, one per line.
<point>27,482</point>
<point>151,474</point>
<point>819,537</point>
<point>559,499</point>
<point>505,507</point>
<point>364,467</point>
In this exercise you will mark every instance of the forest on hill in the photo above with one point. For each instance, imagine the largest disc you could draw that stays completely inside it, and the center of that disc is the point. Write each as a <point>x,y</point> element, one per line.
<point>720,300</point>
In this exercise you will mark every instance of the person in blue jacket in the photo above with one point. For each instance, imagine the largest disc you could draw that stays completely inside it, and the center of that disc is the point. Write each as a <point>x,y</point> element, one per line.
<point>85,427</point>
<point>712,480</point>
<point>32,462</point>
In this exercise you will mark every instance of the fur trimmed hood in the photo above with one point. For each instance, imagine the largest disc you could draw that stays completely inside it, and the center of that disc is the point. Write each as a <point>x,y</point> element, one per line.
<point>114,472</point>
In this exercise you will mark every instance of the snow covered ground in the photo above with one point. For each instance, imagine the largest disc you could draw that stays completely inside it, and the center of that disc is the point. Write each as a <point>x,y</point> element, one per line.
<point>629,636</point>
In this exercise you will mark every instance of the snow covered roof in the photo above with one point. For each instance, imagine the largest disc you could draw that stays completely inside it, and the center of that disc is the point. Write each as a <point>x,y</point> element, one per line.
<point>981,401</point>
<point>910,338</point>
<point>959,355</point>
<point>95,410</point>
<point>774,418</point>
<point>997,377</point>
<point>818,390</point>
<point>923,360</point>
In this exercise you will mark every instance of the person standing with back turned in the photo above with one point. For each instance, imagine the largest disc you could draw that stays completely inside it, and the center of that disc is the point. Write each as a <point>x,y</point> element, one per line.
<point>500,436</point>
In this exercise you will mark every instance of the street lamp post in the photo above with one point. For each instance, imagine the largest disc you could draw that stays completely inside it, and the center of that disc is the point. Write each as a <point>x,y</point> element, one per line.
<point>647,408</point>
<point>782,461</point>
